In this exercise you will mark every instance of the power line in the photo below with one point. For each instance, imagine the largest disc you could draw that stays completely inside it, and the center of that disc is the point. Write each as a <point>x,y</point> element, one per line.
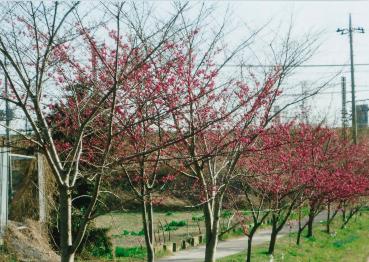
<point>302,65</point>
<point>84,60</point>
<point>323,93</point>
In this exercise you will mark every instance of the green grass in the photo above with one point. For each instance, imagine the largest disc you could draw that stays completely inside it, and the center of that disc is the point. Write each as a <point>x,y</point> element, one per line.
<point>126,227</point>
<point>347,245</point>
<point>136,254</point>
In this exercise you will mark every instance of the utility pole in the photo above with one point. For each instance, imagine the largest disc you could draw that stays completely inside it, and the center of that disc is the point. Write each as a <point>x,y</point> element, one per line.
<point>344,111</point>
<point>8,116</point>
<point>349,31</point>
<point>7,112</point>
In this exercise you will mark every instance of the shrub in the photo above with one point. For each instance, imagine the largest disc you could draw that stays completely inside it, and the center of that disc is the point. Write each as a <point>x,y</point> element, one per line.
<point>131,233</point>
<point>180,223</point>
<point>174,225</point>
<point>96,241</point>
<point>130,252</point>
<point>98,244</point>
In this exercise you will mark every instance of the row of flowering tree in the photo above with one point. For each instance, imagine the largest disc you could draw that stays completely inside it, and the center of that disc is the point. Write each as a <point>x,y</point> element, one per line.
<point>155,97</point>
<point>89,100</point>
<point>297,164</point>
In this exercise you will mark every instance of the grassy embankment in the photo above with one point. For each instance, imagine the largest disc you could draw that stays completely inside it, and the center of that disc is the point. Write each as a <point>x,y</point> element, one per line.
<point>349,244</point>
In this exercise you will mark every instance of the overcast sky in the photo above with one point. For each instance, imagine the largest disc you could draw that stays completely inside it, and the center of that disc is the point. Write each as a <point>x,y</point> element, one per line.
<point>309,16</point>
<point>324,16</point>
<point>318,16</point>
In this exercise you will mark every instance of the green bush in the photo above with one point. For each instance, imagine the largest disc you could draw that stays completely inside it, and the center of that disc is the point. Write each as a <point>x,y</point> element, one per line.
<point>174,225</point>
<point>180,223</point>
<point>198,218</point>
<point>130,233</point>
<point>96,241</point>
<point>130,252</point>
<point>98,244</point>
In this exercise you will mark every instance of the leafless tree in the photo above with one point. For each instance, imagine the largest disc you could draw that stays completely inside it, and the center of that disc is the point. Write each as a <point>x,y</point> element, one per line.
<point>40,39</point>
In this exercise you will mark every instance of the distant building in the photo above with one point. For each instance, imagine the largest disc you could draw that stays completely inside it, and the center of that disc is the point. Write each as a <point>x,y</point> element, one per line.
<point>362,115</point>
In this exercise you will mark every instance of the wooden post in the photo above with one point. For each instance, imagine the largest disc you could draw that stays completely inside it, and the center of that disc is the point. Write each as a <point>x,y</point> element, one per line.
<point>168,247</point>
<point>184,244</point>
<point>175,247</point>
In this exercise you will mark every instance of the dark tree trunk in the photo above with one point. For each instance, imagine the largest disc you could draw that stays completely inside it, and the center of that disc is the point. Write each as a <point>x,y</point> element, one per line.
<point>343,214</point>
<point>212,216</point>
<point>273,236</point>
<point>329,218</point>
<point>299,230</point>
<point>349,216</point>
<point>273,240</point>
<point>211,248</point>
<point>249,247</point>
<point>298,239</point>
<point>65,224</point>
<point>147,218</point>
<point>150,253</point>
<point>310,223</point>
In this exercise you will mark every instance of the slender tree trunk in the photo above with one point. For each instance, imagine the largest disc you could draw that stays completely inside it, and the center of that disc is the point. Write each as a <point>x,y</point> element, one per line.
<point>349,216</point>
<point>299,233</point>
<point>310,223</point>
<point>148,238</point>
<point>273,240</point>
<point>298,239</point>
<point>65,224</point>
<point>151,251</point>
<point>329,218</point>
<point>211,248</point>
<point>151,220</point>
<point>249,246</point>
<point>212,228</point>
<point>300,229</point>
<point>343,214</point>
<point>211,241</point>
<point>148,227</point>
<point>273,236</point>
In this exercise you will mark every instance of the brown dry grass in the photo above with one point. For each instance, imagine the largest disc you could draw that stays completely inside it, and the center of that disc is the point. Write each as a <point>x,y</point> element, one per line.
<point>28,242</point>
<point>132,221</point>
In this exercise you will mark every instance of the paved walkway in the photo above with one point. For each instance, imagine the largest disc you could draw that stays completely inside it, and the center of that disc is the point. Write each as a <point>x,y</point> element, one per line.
<point>232,246</point>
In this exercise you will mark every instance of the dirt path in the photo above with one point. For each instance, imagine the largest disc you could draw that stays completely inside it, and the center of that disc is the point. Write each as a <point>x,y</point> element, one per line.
<point>232,246</point>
